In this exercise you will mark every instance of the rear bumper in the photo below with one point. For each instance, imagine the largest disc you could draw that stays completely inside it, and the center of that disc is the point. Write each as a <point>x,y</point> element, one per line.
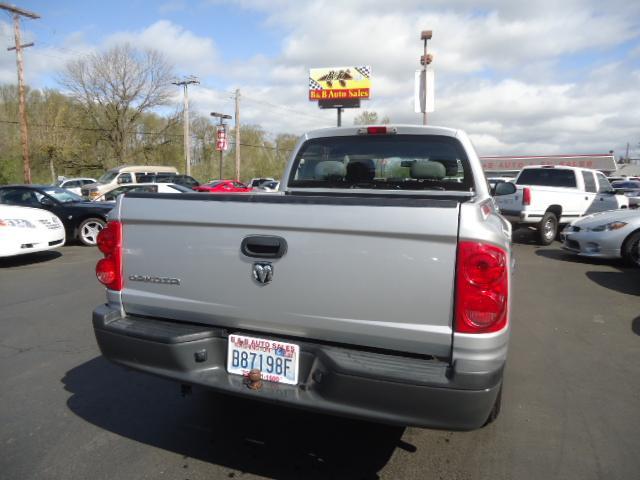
<point>519,216</point>
<point>347,382</point>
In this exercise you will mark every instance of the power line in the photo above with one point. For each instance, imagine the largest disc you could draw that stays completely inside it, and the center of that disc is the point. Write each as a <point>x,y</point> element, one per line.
<point>104,130</point>
<point>284,107</point>
<point>231,95</point>
<point>88,129</point>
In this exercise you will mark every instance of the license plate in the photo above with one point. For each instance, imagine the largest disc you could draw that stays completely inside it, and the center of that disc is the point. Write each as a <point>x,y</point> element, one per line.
<point>277,361</point>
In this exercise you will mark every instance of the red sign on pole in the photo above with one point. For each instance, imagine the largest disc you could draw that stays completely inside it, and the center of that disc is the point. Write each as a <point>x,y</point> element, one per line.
<point>221,138</point>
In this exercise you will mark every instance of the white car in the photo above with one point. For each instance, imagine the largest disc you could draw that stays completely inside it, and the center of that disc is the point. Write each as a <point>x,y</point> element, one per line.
<point>111,195</point>
<point>75,184</point>
<point>27,230</point>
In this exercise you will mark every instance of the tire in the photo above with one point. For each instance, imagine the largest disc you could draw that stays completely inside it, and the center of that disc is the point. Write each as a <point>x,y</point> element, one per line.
<point>89,229</point>
<point>547,229</point>
<point>630,249</point>
<point>495,410</point>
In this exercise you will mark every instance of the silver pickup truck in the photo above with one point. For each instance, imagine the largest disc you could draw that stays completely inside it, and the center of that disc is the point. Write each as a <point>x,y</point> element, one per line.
<point>375,284</point>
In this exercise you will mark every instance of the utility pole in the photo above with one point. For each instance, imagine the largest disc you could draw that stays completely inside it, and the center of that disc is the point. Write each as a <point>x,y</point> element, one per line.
<point>626,157</point>
<point>237,135</point>
<point>425,60</point>
<point>24,138</point>
<point>185,82</point>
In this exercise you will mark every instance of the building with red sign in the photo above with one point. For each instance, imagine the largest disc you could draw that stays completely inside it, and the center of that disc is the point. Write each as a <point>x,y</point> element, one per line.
<point>512,164</point>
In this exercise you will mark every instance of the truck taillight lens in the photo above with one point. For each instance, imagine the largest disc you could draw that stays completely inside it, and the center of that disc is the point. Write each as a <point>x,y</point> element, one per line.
<point>382,130</point>
<point>377,130</point>
<point>482,288</point>
<point>109,269</point>
<point>526,196</point>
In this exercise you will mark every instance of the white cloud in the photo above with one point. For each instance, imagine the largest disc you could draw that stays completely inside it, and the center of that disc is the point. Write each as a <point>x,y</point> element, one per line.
<point>500,66</point>
<point>516,75</point>
<point>190,53</point>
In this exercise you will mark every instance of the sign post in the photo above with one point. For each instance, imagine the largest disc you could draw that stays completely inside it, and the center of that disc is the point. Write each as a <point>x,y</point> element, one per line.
<point>425,60</point>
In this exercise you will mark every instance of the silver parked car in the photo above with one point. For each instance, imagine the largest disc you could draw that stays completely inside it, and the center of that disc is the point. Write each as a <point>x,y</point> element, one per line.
<point>610,234</point>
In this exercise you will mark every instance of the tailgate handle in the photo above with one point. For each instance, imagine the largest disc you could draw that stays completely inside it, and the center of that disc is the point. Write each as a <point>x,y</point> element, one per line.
<point>264,246</point>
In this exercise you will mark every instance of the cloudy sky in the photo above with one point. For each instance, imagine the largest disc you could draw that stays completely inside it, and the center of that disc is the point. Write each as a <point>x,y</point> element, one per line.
<point>521,77</point>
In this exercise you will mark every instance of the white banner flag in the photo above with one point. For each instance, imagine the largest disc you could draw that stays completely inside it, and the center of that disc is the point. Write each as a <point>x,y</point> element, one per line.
<point>424,92</point>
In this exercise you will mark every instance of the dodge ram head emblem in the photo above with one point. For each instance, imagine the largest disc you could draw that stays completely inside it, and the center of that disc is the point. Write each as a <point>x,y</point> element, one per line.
<point>263,272</point>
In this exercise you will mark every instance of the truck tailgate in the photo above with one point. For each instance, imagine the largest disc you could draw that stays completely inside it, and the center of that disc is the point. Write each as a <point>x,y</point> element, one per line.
<point>371,272</point>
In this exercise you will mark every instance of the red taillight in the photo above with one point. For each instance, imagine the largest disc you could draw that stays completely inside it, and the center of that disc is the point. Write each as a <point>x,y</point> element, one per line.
<point>526,196</point>
<point>108,238</point>
<point>376,130</point>
<point>482,288</point>
<point>109,269</point>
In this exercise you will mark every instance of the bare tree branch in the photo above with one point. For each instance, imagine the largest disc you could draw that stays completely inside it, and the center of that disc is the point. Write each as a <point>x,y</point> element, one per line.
<point>116,87</point>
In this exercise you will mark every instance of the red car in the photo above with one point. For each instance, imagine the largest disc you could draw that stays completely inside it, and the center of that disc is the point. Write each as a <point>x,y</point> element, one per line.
<point>223,186</point>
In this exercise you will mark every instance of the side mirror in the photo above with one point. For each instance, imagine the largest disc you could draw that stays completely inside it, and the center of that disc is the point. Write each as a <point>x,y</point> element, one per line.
<point>47,202</point>
<point>504,188</point>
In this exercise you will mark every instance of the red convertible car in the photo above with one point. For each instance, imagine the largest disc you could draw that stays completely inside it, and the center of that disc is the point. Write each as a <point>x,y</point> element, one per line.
<point>223,186</point>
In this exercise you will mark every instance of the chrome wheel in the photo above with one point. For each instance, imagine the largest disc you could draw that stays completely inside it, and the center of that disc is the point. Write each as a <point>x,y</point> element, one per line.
<point>89,230</point>
<point>549,229</point>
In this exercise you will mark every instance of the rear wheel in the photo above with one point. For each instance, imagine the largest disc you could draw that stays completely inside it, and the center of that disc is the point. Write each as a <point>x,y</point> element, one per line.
<point>89,229</point>
<point>630,251</point>
<point>547,229</point>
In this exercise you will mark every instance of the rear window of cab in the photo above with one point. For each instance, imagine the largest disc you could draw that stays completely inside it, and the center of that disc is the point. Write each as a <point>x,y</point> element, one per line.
<point>384,162</point>
<point>547,177</point>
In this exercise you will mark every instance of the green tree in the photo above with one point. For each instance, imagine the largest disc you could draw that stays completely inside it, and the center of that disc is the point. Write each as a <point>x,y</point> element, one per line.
<point>64,140</point>
<point>257,154</point>
<point>370,118</point>
<point>56,144</point>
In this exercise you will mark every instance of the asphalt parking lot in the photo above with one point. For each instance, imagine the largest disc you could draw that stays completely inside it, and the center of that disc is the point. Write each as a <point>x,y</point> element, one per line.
<point>570,407</point>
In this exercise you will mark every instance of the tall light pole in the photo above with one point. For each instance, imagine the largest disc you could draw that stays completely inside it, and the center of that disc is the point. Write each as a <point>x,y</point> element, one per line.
<point>222,117</point>
<point>237,134</point>
<point>185,82</point>
<point>425,35</point>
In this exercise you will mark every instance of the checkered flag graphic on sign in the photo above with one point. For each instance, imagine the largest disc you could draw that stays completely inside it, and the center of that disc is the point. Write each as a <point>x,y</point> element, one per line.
<point>313,85</point>
<point>364,71</point>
